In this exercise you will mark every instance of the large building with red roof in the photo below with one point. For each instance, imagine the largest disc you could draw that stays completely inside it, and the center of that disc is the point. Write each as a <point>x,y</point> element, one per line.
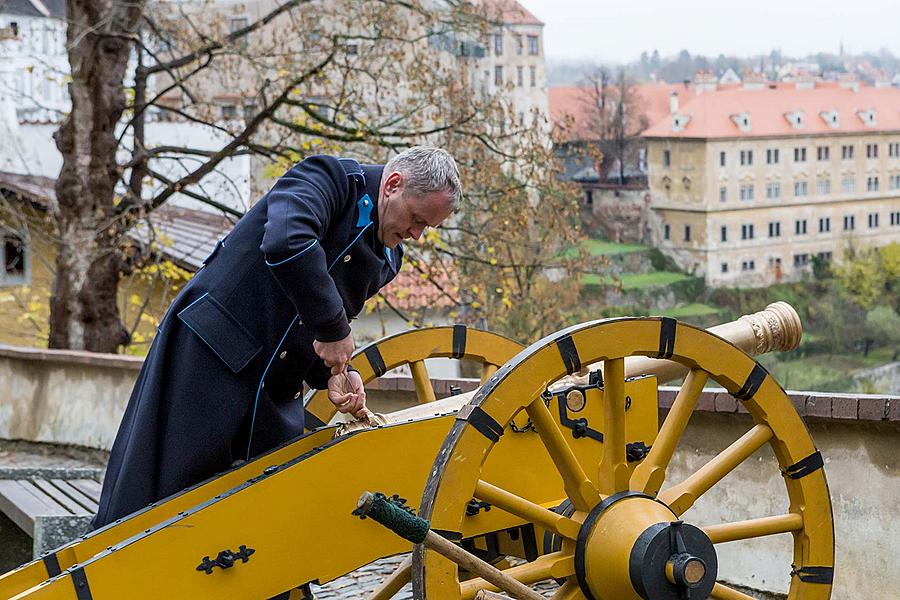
<point>750,184</point>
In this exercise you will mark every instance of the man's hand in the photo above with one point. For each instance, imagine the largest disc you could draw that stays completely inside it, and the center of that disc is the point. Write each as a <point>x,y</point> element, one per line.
<point>336,354</point>
<point>346,392</point>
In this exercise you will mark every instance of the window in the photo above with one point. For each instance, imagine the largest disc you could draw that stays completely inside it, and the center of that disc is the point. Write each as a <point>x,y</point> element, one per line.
<point>774,229</point>
<point>895,219</point>
<point>800,227</point>
<point>893,150</point>
<point>893,182</point>
<point>747,232</point>
<point>13,259</point>
<point>687,233</point>
<point>772,156</point>
<point>532,71</point>
<point>498,75</point>
<point>801,188</point>
<point>724,267</point>
<point>823,153</point>
<point>748,265</point>
<point>801,260</point>
<point>773,189</point>
<point>519,47</point>
<point>872,183</point>
<point>249,110</point>
<point>799,154</point>
<point>229,111</point>
<point>721,159</point>
<point>849,223</point>
<point>236,24</point>
<point>825,256</point>
<point>848,184</point>
<point>846,152</point>
<point>520,76</point>
<point>533,45</point>
<point>589,197</point>
<point>351,48</point>
<point>823,186</point>
<point>871,150</point>
<point>724,233</point>
<point>824,224</point>
<point>746,158</point>
<point>498,44</point>
<point>667,158</point>
<point>723,194</point>
<point>666,231</point>
<point>873,220</point>
<point>747,191</point>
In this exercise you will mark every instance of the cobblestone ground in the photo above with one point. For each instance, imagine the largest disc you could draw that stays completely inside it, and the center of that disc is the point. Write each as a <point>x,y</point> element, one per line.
<point>362,582</point>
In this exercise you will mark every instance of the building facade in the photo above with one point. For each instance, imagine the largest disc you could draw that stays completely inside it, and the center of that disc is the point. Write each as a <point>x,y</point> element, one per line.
<point>752,185</point>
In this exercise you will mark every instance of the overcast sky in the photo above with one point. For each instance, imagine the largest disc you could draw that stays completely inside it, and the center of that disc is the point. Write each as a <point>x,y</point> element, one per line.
<point>618,30</point>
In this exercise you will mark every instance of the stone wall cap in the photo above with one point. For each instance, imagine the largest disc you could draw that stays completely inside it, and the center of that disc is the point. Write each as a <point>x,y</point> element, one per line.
<point>81,357</point>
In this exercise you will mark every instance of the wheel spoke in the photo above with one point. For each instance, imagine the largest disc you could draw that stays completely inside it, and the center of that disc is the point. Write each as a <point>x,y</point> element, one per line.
<point>682,496</point>
<point>527,510</point>
<point>424,389</point>
<point>723,592</point>
<point>754,528</point>
<point>394,582</point>
<point>649,476</point>
<point>613,473</point>
<point>569,591</point>
<point>578,486</point>
<point>556,565</point>
<point>487,370</point>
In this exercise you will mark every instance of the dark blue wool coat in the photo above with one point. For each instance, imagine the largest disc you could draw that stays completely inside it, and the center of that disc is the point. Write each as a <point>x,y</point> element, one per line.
<point>223,379</point>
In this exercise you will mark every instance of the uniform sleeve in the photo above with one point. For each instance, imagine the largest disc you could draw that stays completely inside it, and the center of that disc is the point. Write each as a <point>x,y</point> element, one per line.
<point>299,210</point>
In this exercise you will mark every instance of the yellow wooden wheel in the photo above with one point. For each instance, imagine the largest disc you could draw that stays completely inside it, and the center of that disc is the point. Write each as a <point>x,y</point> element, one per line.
<point>625,539</point>
<point>413,347</point>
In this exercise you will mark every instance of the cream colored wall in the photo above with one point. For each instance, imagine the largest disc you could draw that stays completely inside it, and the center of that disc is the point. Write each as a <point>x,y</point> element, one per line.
<point>707,213</point>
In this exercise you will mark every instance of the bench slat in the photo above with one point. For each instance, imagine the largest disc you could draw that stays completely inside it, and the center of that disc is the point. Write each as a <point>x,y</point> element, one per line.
<point>89,487</point>
<point>76,495</point>
<point>22,502</point>
<point>69,504</point>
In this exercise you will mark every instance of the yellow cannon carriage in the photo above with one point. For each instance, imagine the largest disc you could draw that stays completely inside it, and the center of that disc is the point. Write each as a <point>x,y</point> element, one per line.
<point>554,469</point>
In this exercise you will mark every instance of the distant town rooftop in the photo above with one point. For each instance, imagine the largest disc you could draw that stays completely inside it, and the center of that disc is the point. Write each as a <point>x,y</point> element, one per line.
<point>798,108</point>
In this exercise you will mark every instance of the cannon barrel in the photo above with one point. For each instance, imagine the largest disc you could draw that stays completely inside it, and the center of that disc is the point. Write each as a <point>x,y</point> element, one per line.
<point>776,328</point>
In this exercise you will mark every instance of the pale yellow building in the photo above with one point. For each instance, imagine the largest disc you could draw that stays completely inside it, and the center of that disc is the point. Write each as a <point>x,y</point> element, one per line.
<point>749,183</point>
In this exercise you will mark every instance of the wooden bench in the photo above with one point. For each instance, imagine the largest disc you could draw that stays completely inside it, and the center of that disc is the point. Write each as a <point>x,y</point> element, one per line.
<point>53,506</point>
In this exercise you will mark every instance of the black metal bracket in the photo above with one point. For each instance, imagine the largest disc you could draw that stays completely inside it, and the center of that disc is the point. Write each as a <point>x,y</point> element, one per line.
<point>225,559</point>
<point>476,506</point>
<point>580,426</point>
<point>636,451</point>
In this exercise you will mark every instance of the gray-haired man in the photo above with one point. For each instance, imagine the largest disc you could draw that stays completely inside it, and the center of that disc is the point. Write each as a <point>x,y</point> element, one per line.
<point>270,309</point>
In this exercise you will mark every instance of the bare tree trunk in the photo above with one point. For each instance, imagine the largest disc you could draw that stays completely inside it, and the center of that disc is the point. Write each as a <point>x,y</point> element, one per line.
<point>83,310</point>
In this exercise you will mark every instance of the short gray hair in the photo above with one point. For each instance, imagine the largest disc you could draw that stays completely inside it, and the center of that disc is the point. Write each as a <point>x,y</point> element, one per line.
<point>426,170</point>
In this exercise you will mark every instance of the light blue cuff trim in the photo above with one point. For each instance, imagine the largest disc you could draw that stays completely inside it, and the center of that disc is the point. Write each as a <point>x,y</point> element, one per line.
<point>281,262</point>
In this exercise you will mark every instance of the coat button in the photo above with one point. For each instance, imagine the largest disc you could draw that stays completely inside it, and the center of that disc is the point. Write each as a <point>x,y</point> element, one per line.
<point>347,258</point>
<point>283,354</point>
<point>365,202</point>
<point>297,395</point>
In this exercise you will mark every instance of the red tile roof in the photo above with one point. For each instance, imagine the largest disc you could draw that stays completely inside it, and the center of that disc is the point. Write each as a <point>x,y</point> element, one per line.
<point>577,103</point>
<point>768,108</point>
<point>410,291</point>
<point>508,12</point>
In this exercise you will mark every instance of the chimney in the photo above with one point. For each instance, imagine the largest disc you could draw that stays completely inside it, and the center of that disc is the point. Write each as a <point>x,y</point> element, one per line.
<point>673,103</point>
<point>849,81</point>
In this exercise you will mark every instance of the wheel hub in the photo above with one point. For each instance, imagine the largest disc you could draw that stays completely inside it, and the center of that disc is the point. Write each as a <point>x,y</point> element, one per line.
<point>633,547</point>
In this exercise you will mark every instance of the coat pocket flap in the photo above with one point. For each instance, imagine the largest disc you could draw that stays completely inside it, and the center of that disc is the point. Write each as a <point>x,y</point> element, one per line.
<point>220,331</point>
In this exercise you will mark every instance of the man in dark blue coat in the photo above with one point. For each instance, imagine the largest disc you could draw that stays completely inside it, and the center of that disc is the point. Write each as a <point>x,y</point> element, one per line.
<point>269,310</point>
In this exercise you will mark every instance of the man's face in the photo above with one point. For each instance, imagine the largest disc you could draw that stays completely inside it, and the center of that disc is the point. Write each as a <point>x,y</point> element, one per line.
<point>402,216</point>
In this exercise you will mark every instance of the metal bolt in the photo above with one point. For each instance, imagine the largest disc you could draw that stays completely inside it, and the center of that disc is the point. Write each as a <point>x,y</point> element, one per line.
<point>283,354</point>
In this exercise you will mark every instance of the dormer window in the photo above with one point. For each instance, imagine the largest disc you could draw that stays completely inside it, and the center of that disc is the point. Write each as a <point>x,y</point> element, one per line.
<point>795,119</point>
<point>831,118</point>
<point>679,122</point>
<point>867,117</point>
<point>742,120</point>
